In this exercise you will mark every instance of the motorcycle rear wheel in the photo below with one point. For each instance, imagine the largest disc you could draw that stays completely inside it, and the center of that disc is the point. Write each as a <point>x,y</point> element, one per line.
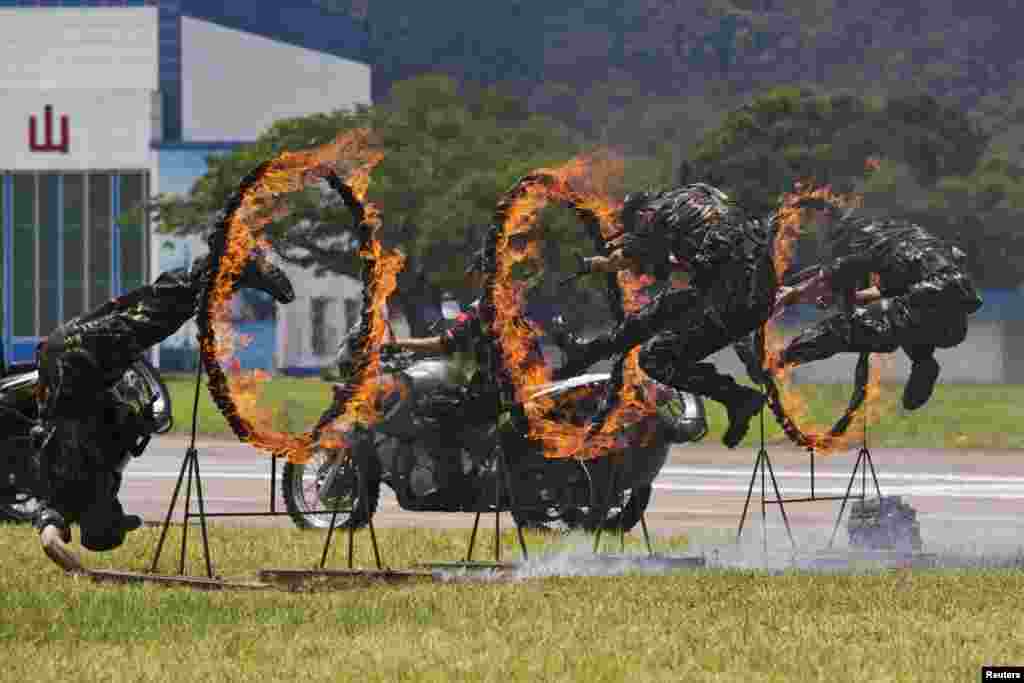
<point>300,487</point>
<point>572,518</point>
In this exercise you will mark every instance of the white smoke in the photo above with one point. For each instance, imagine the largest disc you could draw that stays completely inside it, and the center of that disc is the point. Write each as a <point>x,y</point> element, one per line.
<point>949,543</point>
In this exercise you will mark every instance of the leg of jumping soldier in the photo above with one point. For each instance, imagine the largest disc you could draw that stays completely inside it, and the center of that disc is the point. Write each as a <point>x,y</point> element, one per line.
<point>924,371</point>
<point>869,328</point>
<point>666,311</point>
<point>882,327</point>
<point>922,329</point>
<point>673,358</point>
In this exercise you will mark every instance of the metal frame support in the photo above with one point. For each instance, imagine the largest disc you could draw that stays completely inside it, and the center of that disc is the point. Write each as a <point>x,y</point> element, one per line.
<point>190,470</point>
<point>763,463</point>
<point>617,463</point>
<point>361,468</point>
<point>502,476</point>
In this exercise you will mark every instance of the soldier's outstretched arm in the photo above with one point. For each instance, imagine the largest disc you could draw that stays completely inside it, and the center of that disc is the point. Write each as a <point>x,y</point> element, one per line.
<point>612,263</point>
<point>422,344</point>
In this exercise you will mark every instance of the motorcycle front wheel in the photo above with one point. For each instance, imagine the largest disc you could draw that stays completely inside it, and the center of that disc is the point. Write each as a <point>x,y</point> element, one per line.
<point>301,484</point>
<point>637,500</point>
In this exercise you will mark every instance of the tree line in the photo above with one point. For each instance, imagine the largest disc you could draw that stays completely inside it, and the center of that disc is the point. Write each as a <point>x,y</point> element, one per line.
<point>451,150</point>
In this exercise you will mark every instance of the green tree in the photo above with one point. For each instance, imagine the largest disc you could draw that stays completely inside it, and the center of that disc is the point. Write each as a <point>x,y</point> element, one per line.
<point>794,132</point>
<point>449,154</point>
<point>938,166</point>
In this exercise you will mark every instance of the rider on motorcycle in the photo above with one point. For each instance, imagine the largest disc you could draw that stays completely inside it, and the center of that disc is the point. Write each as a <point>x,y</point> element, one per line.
<point>86,431</point>
<point>466,337</point>
<point>467,331</point>
<point>477,402</point>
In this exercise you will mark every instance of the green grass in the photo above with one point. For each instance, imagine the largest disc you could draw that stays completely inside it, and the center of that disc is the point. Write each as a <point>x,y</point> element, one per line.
<point>294,404</point>
<point>690,626</point>
<point>958,415</point>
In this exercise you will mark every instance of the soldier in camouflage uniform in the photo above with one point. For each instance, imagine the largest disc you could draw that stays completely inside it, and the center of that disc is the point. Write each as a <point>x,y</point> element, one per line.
<point>467,335</point>
<point>921,303</point>
<point>85,430</point>
<point>727,254</point>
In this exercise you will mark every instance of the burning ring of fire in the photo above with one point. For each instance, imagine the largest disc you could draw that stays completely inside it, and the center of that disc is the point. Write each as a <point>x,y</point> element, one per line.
<point>786,404</point>
<point>512,242</point>
<point>238,232</point>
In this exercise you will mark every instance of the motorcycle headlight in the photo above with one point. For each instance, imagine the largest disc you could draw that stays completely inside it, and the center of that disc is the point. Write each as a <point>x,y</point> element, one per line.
<point>683,416</point>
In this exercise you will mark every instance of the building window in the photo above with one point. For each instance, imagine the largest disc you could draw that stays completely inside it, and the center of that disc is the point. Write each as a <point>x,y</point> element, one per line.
<point>75,269</point>
<point>351,313</point>
<point>324,335</point>
<point>50,256</point>
<point>23,256</point>
<point>60,241</point>
<point>169,29</point>
<point>324,330</point>
<point>99,236</point>
<point>132,229</point>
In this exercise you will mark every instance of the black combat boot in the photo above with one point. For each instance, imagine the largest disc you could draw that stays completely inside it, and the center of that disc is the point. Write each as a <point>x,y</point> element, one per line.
<point>742,404</point>
<point>923,374</point>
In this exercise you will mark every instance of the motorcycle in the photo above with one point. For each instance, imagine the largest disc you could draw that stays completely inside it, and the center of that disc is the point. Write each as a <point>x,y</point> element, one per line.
<point>427,407</point>
<point>140,385</point>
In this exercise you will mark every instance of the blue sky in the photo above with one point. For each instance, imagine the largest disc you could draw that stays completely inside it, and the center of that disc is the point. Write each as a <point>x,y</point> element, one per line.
<point>180,167</point>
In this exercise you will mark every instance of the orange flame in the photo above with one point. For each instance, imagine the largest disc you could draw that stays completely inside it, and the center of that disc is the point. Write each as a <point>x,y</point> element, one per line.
<point>260,204</point>
<point>368,383</point>
<point>581,183</point>
<point>790,227</point>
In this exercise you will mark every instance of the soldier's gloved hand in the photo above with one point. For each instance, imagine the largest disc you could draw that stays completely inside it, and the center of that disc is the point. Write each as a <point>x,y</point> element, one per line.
<point>582,268</point>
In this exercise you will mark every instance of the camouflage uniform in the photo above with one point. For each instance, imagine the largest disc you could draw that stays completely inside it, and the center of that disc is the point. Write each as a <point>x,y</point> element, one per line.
<point>88,430</point>
<point>926,298</point>
<point>731,294</point>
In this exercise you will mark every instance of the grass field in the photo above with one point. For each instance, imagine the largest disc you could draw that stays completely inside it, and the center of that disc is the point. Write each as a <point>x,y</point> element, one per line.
<point>696,625</point>
<point>958,416</point>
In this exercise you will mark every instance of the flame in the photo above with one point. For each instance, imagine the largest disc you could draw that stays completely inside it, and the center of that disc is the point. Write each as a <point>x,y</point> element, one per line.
<point>258,202</point>
<point>582,183</point>
<point>635,403</point>
<point>814,437</point>
<point>368,387</point>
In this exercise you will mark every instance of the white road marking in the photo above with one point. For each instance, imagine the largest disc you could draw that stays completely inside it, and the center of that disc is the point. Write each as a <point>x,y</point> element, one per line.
<point>998,493</point>
<point>142,474</point>
<point>696,480</point>
<point>682,470</point>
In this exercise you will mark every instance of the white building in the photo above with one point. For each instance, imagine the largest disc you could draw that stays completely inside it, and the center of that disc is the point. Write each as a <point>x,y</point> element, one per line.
<point>105,103</point>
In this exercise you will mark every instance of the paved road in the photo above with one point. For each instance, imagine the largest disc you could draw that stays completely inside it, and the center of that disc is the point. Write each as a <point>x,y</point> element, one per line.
<point>962,496</point>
